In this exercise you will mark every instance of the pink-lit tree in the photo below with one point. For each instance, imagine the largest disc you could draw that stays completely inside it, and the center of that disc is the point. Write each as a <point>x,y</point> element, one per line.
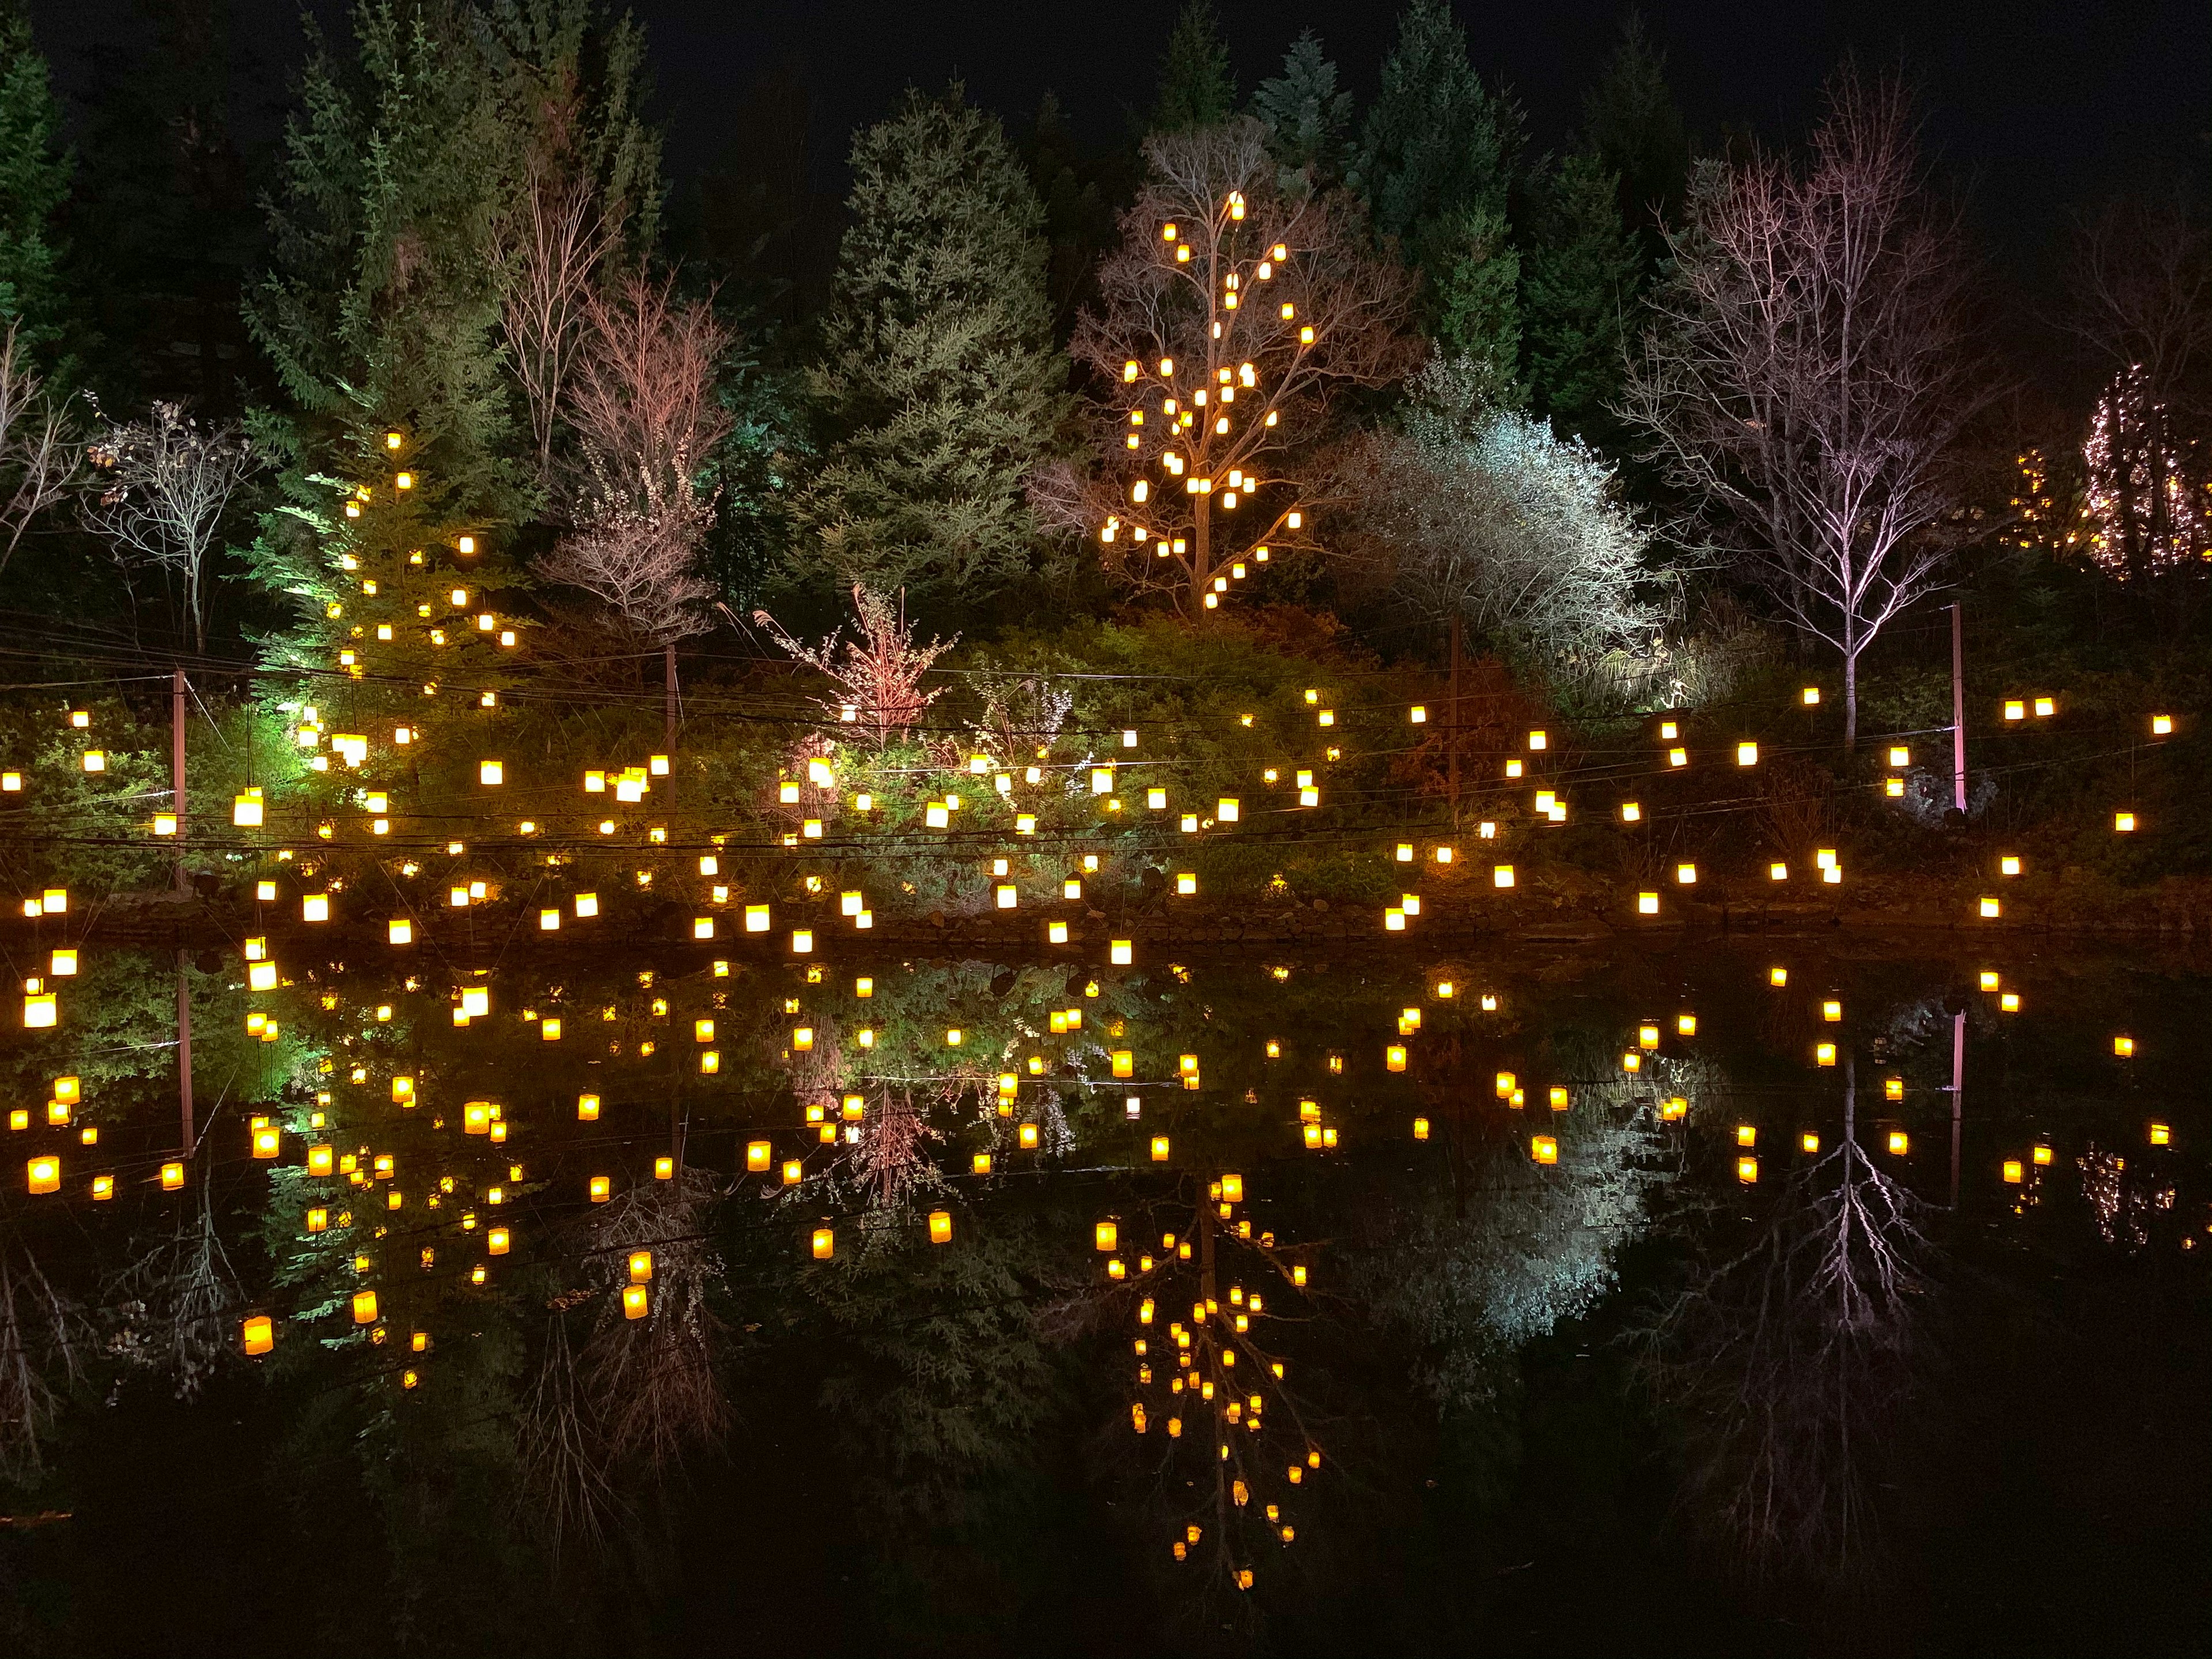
<point>643,407</point>
<point>1811,372</point>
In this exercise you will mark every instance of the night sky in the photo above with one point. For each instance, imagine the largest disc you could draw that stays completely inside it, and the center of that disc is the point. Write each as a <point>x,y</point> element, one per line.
<point>2042,107</point>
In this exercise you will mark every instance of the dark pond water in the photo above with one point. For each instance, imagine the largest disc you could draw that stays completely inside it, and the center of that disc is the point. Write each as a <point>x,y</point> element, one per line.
<point>671,1306</point>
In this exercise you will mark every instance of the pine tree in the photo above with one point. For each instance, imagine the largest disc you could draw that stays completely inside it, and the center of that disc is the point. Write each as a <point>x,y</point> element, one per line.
<point>1581,278</point>
<point>1475,299</point>
<point>1435,163</point>
<point>401,480</point>
<point>1437,145</point>
<point>1079,187</point>
<point>1631,124</point>
<point>936,383</point>
<point>34,177</point>
<point>1306,115</point>
<point>1197,88</point>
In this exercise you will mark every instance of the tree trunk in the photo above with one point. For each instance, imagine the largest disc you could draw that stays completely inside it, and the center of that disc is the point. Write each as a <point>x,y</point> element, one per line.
<point>1851,697</point>
<point>669,687</point>
<point>1201,554</point>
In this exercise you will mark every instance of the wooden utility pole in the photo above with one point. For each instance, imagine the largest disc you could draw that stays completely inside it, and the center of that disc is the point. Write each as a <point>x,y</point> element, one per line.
<point>669,689</point>
<point>1452,738</point>
<point>177,768</point>
<point>184,1052</point>
<point>1958,711</point>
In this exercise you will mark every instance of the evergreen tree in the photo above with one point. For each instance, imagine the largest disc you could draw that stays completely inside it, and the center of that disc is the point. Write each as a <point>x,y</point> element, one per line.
<point>1306,115</point>
<point>1630,124</point>
<point>1474,299</point>
<point>1437,145</point>
<point>401,476</point>
<point>1435,163</point>
<point>167,199</point>
<point>34,179</point>
<point>1078,188</point>
<point>381,308</point>
<point>1197,88</point>
<point>1581,276</point>
<point>936,383</point>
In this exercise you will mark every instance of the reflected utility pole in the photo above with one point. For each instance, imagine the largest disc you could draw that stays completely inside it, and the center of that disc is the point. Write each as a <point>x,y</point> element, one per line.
<point>184,1051</point>
<point>1958,1095</point>
<point>184,885</point>
<point>1958,711</point>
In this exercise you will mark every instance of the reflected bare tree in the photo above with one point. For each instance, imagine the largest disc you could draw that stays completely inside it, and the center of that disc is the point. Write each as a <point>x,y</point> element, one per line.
<point>642,1388</point>
<point>1789,1360</point>
<point>892,1160</point>
<point>41,1341</point>
<point>177,1300</point>
<point>560,1446</point>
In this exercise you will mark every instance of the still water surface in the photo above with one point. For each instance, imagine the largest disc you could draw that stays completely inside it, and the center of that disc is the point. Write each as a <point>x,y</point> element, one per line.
<point>1507,1302</point>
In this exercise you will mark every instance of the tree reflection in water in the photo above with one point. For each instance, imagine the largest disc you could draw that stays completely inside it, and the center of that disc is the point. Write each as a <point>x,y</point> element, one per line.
<point>641,1390</point>
<point>1790,1359</point>
<point>176,1305</point>
<point>959,1401</point>
<point>43,1336</point>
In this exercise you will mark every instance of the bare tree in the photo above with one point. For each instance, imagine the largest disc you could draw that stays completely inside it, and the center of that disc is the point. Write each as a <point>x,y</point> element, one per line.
<point>179,1298</point>
<point>644,1386</point>
<point>1790,1358</point>
<point>39,452</point>
<point>651,1380</point>
<point>892,1159</point>
<point>41,1332</point>
<point>1810,372</point>
<point>561,1449</point>
<point>554,241</point>
<point>646,417</point>
<point>1227,322</point>
<point>165,488</point>
<point>879,671</point>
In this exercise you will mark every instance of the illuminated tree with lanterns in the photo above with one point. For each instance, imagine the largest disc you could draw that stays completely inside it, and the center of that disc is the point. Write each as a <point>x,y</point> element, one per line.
<point>1227,322</point>
<point>1211,1393</point>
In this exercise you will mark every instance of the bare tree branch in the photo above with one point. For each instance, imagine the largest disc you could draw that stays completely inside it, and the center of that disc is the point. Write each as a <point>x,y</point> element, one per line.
<point>39,452</point>
<point>1810,371</point>
<point>165,487</point>
<point>879,671</point>
<point>643,406</point>
<point>1228,320</point>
